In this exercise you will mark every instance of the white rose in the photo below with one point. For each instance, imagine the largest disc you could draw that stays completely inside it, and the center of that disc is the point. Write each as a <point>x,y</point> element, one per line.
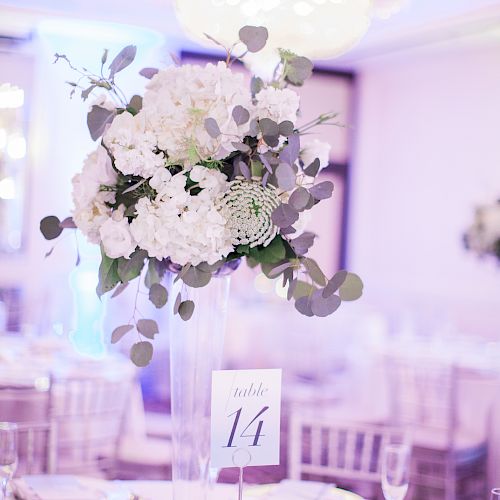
<point>316,149</point>
<point>116,238</point>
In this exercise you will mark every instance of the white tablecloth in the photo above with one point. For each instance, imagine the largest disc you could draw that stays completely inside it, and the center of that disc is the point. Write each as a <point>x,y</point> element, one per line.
<point>80,488</point>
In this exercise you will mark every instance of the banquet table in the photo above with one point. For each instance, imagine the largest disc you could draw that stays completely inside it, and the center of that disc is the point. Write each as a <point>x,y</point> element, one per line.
<point>84,488</point>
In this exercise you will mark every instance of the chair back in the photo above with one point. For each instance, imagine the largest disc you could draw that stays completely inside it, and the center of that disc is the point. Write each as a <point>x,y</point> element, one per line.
<point>28,406</point>
<point>327,449</point>
<point>36,448</point>
<point>423,394</point>
<point>88,414</point>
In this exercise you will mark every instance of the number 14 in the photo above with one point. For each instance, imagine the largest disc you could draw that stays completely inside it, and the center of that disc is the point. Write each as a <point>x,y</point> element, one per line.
<point>256,436</point>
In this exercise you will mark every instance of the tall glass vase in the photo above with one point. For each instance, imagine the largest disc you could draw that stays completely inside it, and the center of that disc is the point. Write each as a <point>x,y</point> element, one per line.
<point>196,348</point>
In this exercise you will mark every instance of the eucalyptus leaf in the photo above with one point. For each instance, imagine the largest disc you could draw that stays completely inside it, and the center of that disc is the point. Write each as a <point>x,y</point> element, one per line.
<point>256,85</point>
<point>186,309</point>
<point>303,305</point>
<point>286,128</point>
<point>124,58</point>
<point>136,103</point>
<point>196,278</point>
<point>335,283</point>
<point>291,151</point>
<point>254,37</point>
<point>298,70</point>
<point>212,128</point>
<point>243,168</point>
<point>240,115</point>
<point>155,272</point>
<point>68,223</point>
<point>134,186</point>
<point>286,177</point>
<point>284,215</point>
<point>314,271</point>
<point>313,169</point>
<point>241,146</point>
<point>276,271</point>
<point>141,353</point>
<point>119,332</point>
<point>253,128</point>
<point>352,288</point>
<point>97,119</point>
<point>129,269</point>
<point>299,199</point>
<point>265,178</point>
<point>302,288</point>
<point>119,289</point>
<point>322,191</point>
<point>177,303</point>
<point>321,306</point>
<point>265,161</point>
<point>148,328</point>
<point>87,92</point>
<point>148,72</point>
<point>268,127</point>
<point>303,243</point>
<point>291,288</point>
<point>158,295</point>
<point>50,227</point>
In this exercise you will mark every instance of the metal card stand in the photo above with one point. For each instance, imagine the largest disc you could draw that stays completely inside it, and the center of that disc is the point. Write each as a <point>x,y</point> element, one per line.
<point>241,458</point>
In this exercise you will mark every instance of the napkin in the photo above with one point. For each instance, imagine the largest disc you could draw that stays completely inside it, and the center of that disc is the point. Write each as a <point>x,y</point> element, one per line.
<point>66,488</point>
<point>303,490</point>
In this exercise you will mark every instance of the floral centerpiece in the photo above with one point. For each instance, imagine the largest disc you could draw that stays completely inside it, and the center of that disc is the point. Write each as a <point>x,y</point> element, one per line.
<point>198,173</point>
<point>187,180</point>
<point>483,236</point>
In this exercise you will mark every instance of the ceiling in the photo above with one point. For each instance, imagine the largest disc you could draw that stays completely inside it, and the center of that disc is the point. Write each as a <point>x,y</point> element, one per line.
<point>418,23</point>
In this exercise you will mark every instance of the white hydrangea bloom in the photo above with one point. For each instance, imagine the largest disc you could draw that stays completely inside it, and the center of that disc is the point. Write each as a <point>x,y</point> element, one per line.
<point>277,104</point>
<point>132,144</point>
<point>89,218</point>
<point>316,149</point>
<point>179,99</point>
<point>188,229</point>
<point>116,237</point>
<point>90,210</point>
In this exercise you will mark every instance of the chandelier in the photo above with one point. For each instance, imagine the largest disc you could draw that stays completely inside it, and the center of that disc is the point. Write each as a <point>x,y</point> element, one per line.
<point>312,28</point>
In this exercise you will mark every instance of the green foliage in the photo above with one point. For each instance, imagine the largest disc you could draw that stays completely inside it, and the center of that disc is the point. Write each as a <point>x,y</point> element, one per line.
<point>272,254</point>
<point>108,274</point>
<point>129,269</point>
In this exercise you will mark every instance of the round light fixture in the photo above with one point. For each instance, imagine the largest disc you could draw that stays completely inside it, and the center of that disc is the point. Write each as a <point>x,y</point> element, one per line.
<point>312,28</point>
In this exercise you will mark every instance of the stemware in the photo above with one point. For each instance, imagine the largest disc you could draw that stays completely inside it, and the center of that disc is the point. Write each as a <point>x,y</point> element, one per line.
<point>8,455</point>
<point>395,471</point>
<point>495,494</point>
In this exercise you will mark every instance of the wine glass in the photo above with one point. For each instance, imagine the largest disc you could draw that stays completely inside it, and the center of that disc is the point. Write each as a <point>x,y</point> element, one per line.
<point>395,471</point>
<point>8,455</point>
<point>495,494</point>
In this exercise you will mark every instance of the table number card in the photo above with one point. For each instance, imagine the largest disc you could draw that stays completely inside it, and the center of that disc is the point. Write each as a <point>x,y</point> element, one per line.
<point>245,422</point>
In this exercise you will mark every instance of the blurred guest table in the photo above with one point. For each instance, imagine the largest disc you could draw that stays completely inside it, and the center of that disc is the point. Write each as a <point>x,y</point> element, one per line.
<point>23,360</point>
<point>82,488</point>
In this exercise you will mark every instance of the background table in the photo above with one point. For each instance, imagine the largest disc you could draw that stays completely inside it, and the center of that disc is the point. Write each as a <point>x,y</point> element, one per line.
<point>81,488</point>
